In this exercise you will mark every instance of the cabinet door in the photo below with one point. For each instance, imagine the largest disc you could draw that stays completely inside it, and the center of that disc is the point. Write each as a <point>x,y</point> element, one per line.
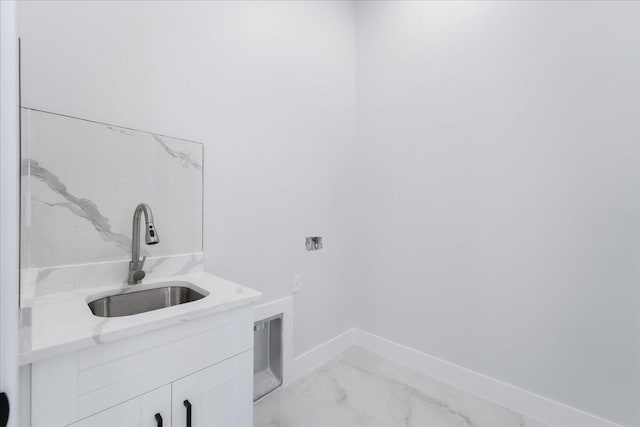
<point>218,396</point>
<point>140,411</point>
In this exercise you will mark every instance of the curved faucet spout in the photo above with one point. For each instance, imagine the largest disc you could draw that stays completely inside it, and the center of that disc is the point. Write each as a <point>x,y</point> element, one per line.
<point>136,274</point>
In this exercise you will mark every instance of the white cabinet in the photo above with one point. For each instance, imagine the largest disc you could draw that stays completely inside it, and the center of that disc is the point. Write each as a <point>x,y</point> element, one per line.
<point>207,361</point>
<point>215,396</point>
<point>219,395</point>
<point>152,409</point>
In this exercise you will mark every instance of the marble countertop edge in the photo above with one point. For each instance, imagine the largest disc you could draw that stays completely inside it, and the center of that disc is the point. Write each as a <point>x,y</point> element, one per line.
<point>63,323</point>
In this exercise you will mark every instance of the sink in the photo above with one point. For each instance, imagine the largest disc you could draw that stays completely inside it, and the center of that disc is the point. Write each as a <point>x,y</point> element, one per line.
<point>135,302</point>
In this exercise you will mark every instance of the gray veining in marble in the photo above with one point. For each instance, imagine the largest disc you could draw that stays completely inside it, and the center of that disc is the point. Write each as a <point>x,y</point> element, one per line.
<point>359,388</point>
<point>181,157</point>
<point>121,130</point>
<point>44,274</point>
<point>82,207</point>
<point>151,267</point>
<point>193,262</point>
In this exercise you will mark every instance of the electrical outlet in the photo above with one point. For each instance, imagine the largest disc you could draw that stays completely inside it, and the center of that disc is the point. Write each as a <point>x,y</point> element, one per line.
<point>296,284</point>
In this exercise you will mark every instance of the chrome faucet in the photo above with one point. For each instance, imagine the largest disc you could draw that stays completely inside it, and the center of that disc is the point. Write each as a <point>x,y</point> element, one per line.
<point>136,274</point>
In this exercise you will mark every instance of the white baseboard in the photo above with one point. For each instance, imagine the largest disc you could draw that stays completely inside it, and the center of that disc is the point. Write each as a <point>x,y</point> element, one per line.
<point>535,406</point>
<point>322,353</point>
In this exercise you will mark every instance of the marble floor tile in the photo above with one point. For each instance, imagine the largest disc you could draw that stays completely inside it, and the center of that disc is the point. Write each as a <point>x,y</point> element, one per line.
<point>359,388</point>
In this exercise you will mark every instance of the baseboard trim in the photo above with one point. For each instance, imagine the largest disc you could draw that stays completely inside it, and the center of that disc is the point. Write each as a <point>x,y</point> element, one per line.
<point>322,353</point>
<point>530,404</point>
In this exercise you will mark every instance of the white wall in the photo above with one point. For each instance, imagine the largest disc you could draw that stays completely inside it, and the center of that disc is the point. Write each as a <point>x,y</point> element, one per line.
<point>504,168</point>
<point>488,210</point>
<point>268,87</point>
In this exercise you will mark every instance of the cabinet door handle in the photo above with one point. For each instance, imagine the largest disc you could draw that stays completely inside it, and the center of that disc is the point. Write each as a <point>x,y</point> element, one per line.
<point>187,405</point>
<point>159,420</point>
<point>4,409</point>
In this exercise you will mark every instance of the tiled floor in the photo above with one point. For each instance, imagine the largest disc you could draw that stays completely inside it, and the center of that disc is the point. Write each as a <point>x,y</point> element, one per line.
<point>359,388</point>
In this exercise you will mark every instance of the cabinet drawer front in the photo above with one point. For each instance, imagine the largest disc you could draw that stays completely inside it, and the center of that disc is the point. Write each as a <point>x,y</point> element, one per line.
<point>212,345</point>
<point>114,350</point>
<point>138,412</point>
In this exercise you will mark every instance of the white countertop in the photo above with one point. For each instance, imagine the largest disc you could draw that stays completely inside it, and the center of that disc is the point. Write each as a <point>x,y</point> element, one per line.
<point>53,325</point>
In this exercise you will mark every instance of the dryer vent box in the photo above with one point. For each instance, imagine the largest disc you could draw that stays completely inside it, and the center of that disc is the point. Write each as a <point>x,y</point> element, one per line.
<point>267,356</point>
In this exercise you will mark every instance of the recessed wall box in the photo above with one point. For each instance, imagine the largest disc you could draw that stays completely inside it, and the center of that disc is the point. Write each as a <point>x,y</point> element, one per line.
<point>267,356</point>
<point>314,243</point>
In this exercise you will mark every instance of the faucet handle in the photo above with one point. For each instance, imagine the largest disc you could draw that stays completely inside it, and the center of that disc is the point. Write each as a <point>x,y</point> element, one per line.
<point>136,273</point>
<point>137,276</point>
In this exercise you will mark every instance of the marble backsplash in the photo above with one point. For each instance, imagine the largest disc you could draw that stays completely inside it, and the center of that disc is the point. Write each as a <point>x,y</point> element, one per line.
<point>81,182</point>
<point>39,282</point>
